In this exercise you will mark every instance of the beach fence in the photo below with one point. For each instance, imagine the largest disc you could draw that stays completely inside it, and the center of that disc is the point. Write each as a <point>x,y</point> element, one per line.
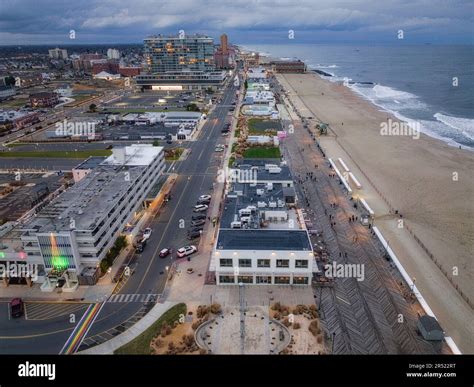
<point>392,210</point>
<point>410,230</point>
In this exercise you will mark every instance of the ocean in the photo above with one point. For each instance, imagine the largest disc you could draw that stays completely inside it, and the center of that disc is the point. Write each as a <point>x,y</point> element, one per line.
<point>414,82</point>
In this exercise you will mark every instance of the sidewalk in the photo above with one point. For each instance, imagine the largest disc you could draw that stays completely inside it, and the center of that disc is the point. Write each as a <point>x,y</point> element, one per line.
<point>142,325</point>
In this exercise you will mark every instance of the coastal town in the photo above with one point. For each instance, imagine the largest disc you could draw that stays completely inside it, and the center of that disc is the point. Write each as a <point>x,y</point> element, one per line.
<point>265,187</point>
<point>193,197</point>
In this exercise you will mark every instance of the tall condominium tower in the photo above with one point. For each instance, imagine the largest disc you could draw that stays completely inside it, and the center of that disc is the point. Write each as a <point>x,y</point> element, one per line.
<point>176,53</point>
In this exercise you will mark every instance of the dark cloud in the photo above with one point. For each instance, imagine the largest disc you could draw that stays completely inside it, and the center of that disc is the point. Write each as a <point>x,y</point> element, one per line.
<point>127,21</point>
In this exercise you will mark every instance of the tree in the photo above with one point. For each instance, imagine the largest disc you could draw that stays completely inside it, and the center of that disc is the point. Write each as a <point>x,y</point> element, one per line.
<point>156,143</point>
<point>92,107</point>
<point>9,81</point>
<point>246,85</point>
<point>192,107</point>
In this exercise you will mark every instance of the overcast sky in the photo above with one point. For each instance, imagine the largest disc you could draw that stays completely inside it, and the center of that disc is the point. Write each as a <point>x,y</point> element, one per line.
<point>245,21</point>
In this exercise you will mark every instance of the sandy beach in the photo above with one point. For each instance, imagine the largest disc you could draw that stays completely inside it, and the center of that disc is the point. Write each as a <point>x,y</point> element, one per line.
<point>430,183</point>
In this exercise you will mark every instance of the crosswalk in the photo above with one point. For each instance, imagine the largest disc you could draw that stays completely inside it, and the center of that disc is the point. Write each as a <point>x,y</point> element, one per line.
<point>52,310</point>
<point>142,298</point>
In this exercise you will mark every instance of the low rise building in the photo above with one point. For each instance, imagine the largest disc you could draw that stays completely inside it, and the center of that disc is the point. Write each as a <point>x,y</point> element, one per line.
<point>44,99</point>
<point>17,119</point>
<point>262,236</point>
<point>182,80</point>
<point>288,66</point>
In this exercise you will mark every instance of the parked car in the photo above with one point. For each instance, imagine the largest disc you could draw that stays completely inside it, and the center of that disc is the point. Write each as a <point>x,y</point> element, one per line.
<point>200,208</point>
<point>140,246</point>
<point>204,201</point>
<point>165,252</point>
<point>194,235</point>
<point>16,307</point>
<point>196,223</point>
<point>147,232</point>
<point>186,250</point>
<point>205,197</point>
<point>196,229</point>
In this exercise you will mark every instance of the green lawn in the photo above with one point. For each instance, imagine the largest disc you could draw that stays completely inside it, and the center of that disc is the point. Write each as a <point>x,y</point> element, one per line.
<point>82,154</point>
<point>141,344</point>
<point>262,153</point>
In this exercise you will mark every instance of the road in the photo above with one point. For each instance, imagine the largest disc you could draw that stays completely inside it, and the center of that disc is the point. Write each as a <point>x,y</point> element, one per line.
<point>196,176</point>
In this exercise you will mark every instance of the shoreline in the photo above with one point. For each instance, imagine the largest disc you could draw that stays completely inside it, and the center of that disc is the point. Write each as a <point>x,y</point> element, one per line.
<point>413,176</point>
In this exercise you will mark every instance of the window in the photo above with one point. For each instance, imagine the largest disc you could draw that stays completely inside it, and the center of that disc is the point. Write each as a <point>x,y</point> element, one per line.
<point>225,262</point>
<point>226,279</point>
<point>301,263</point>
<point>283,263</point>
<point>300,280</point>
<point>263,263</point>
<point>245,263</point>
<point>282,280</point>
<point>263,279</point>
<point>245,279</point>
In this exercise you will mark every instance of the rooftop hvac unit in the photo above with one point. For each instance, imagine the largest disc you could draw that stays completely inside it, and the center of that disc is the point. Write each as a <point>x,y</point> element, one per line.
<point>252,208</point>
<point>236,224</point>
<point>272,204</point>
<point>261,204</point>
<point>281,203</point>
<point>245,219</point>
<point>268,166</point>
<point>260,191</point>
<point>269,186</point>
<point>244,211</point>
<point>274,170</point>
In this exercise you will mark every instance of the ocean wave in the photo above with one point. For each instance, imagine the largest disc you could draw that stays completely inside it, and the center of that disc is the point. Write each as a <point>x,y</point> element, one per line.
<point>333,66</point>
<point>463,125</point>
<point>385,92</point>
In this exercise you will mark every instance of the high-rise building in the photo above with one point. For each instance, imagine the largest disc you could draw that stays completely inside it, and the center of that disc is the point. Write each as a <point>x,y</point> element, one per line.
<point>175,53</point>
<point>224,45</point>
<point>57,53</point>
<point>113,53</point>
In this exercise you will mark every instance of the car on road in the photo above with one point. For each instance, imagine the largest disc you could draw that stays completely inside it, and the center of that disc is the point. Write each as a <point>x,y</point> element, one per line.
<point>204,197</point>
<point>147,232</point>
<point>196,229</point>
<point>200,208</point>
<point>198,217</point>
<point>194,235</point>
<point>219,149</point>
<point>196,223</point>
<point>16,307</point>
<point>140,246</point>
<point>186,250</point>
<point>165,252</point>
<point>203,201</point>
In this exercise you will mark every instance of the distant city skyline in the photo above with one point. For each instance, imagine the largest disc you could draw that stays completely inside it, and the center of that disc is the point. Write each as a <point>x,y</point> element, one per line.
<point>115,21</point>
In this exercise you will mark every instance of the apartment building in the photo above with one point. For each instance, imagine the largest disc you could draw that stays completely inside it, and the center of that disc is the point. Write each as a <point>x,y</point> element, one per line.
<point>71,235</point>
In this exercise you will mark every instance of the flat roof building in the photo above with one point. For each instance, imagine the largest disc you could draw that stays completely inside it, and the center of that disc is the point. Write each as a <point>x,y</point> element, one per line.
<point>262,236</point>
<point>75,230</point>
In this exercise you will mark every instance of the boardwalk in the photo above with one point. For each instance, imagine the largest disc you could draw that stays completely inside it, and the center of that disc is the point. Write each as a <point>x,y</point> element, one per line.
<point>373,316</point>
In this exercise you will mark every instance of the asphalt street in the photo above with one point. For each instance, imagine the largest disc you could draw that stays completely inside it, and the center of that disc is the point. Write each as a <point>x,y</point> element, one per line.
<point>196,176</point>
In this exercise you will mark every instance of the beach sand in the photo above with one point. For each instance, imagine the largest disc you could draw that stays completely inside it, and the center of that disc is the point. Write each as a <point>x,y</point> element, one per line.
<point>415,177</point>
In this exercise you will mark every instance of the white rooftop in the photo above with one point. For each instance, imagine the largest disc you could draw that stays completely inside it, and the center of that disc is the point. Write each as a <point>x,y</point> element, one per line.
<point>136,154</point>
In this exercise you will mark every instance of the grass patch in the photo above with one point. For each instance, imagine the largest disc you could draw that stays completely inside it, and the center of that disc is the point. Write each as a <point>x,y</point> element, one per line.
<point>16,103</point>
<point>231,161</point>
<point>262,153</point>
<point>140,345</point>
<point>237,133</point>
<point>82,154</point>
